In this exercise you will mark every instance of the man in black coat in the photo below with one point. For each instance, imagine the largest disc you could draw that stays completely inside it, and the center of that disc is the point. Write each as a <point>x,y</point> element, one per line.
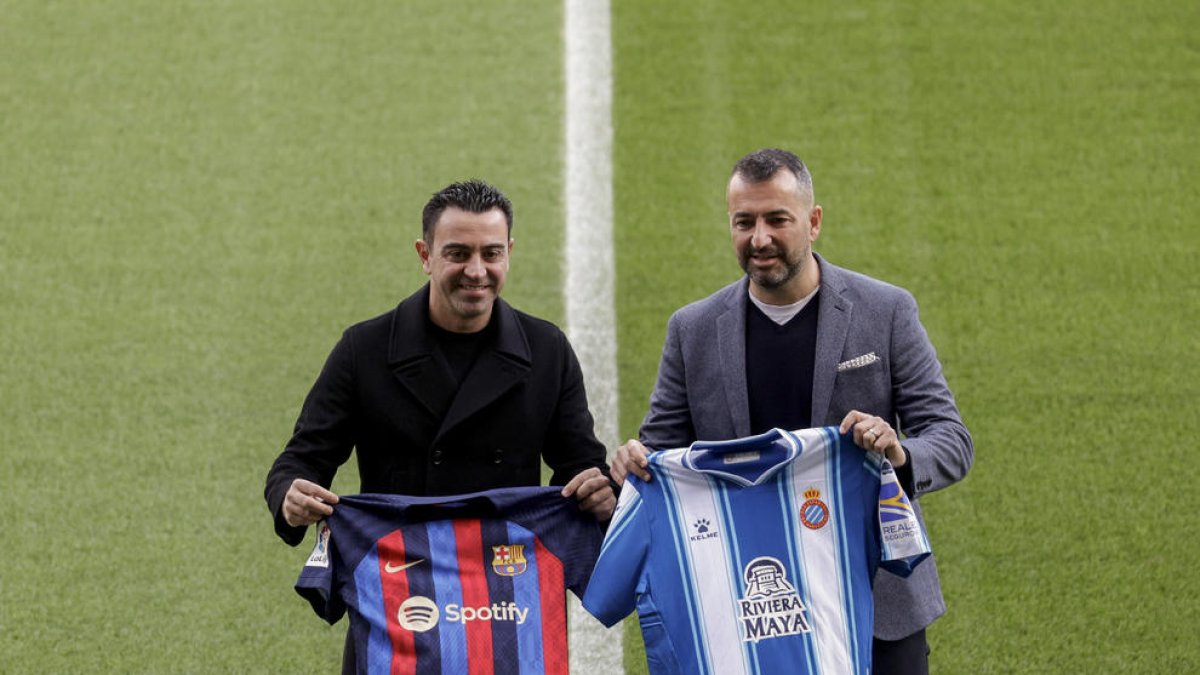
<point>453,391</point>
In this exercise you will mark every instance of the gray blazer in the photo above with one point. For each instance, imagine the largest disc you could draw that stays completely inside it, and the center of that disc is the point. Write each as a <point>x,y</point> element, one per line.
<point>872,355</point>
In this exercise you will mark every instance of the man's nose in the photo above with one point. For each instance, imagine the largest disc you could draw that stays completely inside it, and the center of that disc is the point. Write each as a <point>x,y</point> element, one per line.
<point>475,267</point>
<point>760,238</point>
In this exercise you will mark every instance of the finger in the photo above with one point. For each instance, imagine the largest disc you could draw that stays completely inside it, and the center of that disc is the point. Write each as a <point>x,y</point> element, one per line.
<point>595,486</point>
<point>318,508</point>
<point>604,511</point>
<point>621,464</point>
<point>595,498</point>
<point>887,437</point>
<point>311,489</point>
<point>639,460</point>
<point>875,435</point>
<point>617,470</point>
<point>861,429</point>
<point>309,513</point>
<point>642,472</point>
<point>579,480</point>
<point>307,507</point>
<point>325,495</point>
<point>852,418</point>
<point>630,458</point>
<point>886,441</point>
<point>588,487</point>
<point>871,439</point>
<point>638,453</point>
<point>601,504</point>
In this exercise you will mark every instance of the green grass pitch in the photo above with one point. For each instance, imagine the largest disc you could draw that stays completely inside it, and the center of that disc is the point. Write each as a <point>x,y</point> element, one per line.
<point>195,198</point>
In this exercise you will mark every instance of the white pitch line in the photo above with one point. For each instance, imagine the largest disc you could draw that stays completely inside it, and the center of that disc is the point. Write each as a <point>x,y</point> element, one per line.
<point>588,265</point>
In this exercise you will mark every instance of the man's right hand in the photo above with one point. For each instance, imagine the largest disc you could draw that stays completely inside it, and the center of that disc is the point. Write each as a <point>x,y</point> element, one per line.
<point>306,502</point>
<point>630,458</point>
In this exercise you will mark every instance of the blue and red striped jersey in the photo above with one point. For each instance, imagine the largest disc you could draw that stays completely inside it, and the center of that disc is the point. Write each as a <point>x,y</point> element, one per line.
<point>461,584</point>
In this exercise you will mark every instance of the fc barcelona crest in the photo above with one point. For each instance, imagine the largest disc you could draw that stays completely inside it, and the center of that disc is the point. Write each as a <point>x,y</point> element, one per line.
<point>508,560</point>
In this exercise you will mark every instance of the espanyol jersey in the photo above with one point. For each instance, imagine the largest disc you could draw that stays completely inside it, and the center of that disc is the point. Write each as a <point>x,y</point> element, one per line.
<point>463,584</point>
<point>756,555</point>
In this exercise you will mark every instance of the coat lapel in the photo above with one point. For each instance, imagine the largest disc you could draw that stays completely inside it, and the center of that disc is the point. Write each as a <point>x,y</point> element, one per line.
<point>412,358</point>
<point>833,325</point>
<point>731,350</point>
<point>499,368</point>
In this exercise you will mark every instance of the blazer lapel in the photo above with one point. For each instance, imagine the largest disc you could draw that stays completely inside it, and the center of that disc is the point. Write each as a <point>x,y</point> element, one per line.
<point>412,358</point>
<point>731,350</point>
<point>498,369</point>
<point>833,325</point>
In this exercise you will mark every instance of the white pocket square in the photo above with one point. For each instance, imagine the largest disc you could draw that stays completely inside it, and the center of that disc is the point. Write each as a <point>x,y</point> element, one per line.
<point>858,362</point>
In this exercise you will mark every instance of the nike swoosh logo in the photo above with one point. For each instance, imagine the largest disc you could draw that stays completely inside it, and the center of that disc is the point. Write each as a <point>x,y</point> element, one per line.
<point>392,569</point>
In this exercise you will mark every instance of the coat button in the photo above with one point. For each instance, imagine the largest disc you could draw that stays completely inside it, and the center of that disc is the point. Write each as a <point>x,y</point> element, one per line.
<point>498,456</point>
<point>437,456</point>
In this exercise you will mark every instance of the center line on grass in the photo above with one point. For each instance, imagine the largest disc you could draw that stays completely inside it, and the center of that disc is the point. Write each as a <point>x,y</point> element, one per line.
<point>588,265</point>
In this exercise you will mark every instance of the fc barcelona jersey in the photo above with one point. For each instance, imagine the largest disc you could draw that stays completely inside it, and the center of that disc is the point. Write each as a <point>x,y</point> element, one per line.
<point>462,584</point>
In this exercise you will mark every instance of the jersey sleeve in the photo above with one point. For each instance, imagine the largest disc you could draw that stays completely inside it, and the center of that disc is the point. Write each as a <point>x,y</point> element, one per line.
<point>903,544</point>
<point>612,591</point>
<point>583,546</point>
<point>316,582</point>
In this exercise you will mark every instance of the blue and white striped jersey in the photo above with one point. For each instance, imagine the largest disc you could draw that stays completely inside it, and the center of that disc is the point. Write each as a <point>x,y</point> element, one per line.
<point>756,555</point>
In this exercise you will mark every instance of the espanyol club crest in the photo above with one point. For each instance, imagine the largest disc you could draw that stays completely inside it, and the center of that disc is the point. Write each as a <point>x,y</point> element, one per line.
<point>508,560</point>
<point>814,513</point>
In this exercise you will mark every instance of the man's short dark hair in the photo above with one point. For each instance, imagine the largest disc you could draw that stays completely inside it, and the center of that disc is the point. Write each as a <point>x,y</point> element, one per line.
<point>474,196</point>
<point>762,165</point>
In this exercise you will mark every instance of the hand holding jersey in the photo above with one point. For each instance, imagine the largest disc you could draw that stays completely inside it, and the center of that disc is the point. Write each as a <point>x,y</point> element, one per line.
<point>874,434</point>
<point>306,502</point>
<point>593,493</point>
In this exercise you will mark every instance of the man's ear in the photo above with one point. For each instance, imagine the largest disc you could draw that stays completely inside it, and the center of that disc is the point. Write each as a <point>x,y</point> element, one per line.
<point>423,252</point>
<point>814,222</point>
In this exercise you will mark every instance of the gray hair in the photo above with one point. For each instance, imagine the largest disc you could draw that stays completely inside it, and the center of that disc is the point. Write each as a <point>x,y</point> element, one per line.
<point>762,165</point>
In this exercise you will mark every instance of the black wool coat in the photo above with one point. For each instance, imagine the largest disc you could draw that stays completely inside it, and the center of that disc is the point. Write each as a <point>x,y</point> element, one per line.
<point>388,393</point>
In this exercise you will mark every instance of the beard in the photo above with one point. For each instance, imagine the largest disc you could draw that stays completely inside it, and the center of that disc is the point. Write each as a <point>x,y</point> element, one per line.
<point>471,300</point>
<point>786,267</point>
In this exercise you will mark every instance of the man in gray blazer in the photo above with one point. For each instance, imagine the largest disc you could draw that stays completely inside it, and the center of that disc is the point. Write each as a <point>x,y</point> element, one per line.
<point>797,343</point>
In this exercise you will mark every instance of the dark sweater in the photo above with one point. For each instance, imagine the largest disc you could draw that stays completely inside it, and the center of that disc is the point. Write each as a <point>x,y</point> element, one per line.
<point>779,368</point>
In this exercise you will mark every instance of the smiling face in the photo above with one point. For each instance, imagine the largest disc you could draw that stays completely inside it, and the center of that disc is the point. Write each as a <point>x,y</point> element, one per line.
<point>773,224</point>
<point>467,262</point>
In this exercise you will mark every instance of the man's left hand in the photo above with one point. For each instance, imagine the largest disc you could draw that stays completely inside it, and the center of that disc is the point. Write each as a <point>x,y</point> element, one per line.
<point>593,492</point>
<point>874,434</point>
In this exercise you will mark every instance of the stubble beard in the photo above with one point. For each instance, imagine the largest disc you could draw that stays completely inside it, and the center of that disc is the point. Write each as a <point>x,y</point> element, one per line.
<point>468,307</point>
<point>773,278</point>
